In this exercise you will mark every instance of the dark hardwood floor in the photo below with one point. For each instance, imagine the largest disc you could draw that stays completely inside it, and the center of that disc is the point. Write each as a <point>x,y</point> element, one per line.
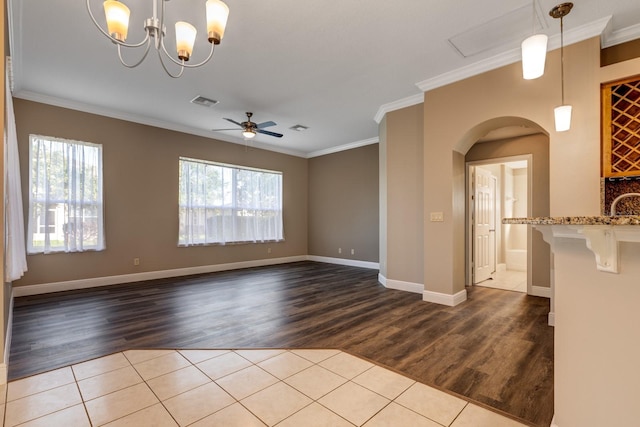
<point>495,349</point>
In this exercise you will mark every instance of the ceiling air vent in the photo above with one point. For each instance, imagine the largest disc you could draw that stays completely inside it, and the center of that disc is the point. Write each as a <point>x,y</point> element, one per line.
<point>299,128</point>
<point>205,102</point>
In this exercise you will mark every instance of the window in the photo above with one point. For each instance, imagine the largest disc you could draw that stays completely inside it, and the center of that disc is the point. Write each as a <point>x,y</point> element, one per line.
<point>65,199</point>
<point>228,204</point>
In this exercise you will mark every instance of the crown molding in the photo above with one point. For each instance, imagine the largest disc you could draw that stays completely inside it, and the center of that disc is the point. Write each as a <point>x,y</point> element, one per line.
<point>621,36</point>
<point>114,114</point>
<point>575,35</point>
<point>470,70</point>
<point>397,105</point>
<point>344,147</point>
<point>584,32</point>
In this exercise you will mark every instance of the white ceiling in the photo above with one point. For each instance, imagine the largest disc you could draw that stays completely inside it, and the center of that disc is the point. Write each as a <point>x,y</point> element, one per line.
<point>334,67</point>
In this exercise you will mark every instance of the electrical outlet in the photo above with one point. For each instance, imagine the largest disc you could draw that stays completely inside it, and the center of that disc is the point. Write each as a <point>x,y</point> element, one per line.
<point>268,250</point>
<point>339,250</point>
<point>136,261</point>
<point>353,251</point>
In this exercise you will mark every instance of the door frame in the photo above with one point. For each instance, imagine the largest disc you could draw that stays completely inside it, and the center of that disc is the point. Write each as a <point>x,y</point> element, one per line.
<point>469,209</point>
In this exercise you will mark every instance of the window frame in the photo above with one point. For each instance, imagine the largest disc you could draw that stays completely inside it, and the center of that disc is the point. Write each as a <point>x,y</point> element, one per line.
<point>34,222</point>
<point>234,206</point>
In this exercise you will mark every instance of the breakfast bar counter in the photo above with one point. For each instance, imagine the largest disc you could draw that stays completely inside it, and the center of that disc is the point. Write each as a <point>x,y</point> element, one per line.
<point>596,312</point>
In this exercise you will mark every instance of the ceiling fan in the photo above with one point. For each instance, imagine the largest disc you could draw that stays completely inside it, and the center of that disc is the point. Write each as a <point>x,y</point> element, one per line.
<point>249,128</point>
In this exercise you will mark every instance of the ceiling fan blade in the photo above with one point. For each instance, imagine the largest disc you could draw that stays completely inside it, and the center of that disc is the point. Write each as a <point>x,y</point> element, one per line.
<point>217,130</point>
<point>265,124</point>
<point>233,121</point>
<point>266,132</point>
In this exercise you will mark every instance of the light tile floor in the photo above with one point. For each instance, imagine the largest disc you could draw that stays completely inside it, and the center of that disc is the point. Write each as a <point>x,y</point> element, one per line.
<point>228,388</point>
<point>508,280</point>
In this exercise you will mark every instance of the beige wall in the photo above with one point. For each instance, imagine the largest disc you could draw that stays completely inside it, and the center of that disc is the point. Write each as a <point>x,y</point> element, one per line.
<point>343,204</point>
<point>141,194</point>
<point>404,184</point>
<point>455,116</point>
<point>538,146</point>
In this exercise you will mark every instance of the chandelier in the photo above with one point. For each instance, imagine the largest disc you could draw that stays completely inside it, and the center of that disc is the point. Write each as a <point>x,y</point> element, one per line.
<point>117,17</point>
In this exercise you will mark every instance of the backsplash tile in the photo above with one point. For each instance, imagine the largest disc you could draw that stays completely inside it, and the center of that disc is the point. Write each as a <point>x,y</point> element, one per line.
<point>613,187</point>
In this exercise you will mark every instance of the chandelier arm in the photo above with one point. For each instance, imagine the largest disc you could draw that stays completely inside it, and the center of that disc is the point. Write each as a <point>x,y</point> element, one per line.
<point>183,63</point>
<point>107,35</point>
<point>146,52</point>
<point>166,70</point>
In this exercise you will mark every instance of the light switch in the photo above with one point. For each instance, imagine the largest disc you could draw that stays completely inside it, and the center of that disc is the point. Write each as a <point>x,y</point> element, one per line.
<point>437,217</point>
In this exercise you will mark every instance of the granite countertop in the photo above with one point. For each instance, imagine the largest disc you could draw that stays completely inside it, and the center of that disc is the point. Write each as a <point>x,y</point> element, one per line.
<point>577,220</point>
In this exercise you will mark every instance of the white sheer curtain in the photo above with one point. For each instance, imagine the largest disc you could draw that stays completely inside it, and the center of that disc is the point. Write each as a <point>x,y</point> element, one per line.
<point>15,254</point>
<point>228,204</point>
<point>65,205</point>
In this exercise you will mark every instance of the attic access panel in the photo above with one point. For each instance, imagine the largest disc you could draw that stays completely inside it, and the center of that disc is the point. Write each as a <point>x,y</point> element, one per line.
<point>621,127</point>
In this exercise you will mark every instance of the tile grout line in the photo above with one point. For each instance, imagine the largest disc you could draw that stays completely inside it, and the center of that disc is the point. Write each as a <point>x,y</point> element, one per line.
<point>84,406</point>
<point>459,413</point>
<point>235,400</point>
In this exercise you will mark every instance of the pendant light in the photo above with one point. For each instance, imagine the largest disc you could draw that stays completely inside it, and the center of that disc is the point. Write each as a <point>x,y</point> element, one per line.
<point>562,113</point>
<point>534,52</point>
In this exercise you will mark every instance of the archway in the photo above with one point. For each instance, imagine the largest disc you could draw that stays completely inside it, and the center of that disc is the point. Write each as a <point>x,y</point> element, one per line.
<point>514,137</point>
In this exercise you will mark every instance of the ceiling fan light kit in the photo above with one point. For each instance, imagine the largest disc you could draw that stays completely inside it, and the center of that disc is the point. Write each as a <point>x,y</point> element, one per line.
<point>117,19</point>
<point>248,133</point>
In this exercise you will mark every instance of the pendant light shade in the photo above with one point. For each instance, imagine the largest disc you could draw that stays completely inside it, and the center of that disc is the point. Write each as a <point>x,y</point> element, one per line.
<point>562,116</point>
<point>534,55</point>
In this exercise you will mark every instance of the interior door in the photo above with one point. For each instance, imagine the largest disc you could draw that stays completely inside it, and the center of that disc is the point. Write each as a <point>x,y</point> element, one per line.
<point>484,220</point>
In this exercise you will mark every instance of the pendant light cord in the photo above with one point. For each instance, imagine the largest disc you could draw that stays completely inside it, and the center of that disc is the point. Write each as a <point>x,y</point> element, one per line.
<point>562,58</point>
<point>533,17</point>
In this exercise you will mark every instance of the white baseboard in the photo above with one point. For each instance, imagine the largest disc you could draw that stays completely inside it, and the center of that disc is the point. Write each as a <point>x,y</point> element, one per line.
<point>45,288</point>
<point>553,422</point>
<point>501,267</point>
<point>344,261</point>
<point>4,366</point>
<point>382,280</point>
<point>552,319</point>
<point>540,291</point>
<point>445,299</point>
<point>416,288</point>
